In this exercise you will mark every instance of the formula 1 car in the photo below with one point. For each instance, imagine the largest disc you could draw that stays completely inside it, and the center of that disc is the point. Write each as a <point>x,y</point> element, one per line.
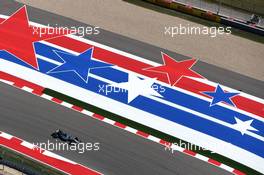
<point>59,134</point>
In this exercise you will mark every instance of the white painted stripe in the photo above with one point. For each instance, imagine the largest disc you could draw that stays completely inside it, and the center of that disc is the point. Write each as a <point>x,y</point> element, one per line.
<point>7,82</point>
<point>109,121</point>
<point>6,136</point>
<point>87,113</point>
<point>201,157</point>
<point>177,148</point>
<point>227,168</point>
<point>46,96</point>
<point>154,139</point>
<point>25,88</point>
<point>28,145</point>
<point>3,16</point>
<point>132,130</point>
<point>68,105</point>
<point>48,60</point>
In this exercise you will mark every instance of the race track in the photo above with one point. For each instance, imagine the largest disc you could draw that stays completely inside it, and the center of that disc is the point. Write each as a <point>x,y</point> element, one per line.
<point>33,119</point>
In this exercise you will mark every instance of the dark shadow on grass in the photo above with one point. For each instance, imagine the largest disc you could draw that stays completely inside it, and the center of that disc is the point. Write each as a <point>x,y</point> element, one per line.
<point>235,31</point>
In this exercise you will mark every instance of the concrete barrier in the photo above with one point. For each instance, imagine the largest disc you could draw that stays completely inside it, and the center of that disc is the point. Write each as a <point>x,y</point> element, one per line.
<point>242,25</point>
<point>187,9</point>
<point>165,3</point>
<point>208,15</point>
<point>254,6</point>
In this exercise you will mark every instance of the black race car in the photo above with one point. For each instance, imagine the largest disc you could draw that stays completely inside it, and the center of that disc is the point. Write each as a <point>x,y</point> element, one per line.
<point>59,134</point>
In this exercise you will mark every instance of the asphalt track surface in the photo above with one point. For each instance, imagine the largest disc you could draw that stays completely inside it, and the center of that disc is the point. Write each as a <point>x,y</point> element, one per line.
<point>33,119</point>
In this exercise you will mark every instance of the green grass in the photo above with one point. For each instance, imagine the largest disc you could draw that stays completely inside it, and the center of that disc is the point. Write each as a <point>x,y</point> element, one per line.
<point>148,130</point>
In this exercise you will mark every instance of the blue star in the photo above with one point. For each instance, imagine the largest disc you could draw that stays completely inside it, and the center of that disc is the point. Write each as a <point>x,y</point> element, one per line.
<point>79,64</point>
<point>219,95</point>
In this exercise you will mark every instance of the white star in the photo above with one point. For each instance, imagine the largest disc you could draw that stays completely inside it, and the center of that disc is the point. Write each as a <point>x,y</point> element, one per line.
<point>243,126</point>
<point>136,86</point>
